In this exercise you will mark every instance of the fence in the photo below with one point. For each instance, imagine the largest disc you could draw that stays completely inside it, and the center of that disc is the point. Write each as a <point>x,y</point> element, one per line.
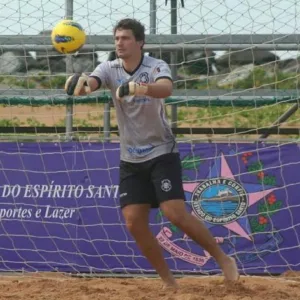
<point>174,44</point>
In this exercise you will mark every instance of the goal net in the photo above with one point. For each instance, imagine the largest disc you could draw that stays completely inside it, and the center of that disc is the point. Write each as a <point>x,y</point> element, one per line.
<point>234,113</point>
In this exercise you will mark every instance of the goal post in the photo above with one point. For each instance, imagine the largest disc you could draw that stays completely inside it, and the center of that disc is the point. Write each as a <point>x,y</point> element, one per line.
<point>236,81</point>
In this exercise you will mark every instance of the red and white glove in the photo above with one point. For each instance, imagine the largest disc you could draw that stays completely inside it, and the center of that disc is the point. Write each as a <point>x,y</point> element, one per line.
<point>77,85</point>
<point>131,89</point>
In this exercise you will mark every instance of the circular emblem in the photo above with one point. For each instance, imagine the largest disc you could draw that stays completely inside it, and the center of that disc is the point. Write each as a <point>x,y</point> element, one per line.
<point>166,185</point>
<point>144,77</point>
<point>219,201</point>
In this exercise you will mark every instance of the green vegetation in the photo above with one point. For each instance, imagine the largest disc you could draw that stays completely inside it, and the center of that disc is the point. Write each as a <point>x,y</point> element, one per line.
<point>234,117</point>
<point>35,81</point>
<point>13,122</point>
<point>259,78</point>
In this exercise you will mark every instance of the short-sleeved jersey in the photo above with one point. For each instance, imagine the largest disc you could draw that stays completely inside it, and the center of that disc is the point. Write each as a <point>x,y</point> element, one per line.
<point>143,127</point>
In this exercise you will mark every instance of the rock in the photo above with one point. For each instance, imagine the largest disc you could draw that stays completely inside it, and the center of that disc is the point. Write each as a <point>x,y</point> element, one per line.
<point>85,62</point>
<point>112,56</point>
<point>194,62</point>
<point>57,63</point>
<point>237,74</point>
<point>51,64</point>
<point>290,66</point>
<point>12,62</point>
<point>244,57</point>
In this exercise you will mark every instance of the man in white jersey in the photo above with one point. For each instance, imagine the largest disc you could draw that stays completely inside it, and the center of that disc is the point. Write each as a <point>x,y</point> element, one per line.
<point>150,167</point>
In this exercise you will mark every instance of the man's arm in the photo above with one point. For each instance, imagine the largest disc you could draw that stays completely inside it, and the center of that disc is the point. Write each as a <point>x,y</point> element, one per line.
<point>162,88</point>
<point>81,84</point>
<point>94,83</point>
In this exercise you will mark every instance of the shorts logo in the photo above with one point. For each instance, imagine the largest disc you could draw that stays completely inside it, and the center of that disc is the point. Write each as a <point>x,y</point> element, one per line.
<point>166,185</point>
<point>219,201</point>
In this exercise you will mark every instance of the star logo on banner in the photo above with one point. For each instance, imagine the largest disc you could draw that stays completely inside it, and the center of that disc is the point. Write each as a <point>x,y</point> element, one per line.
<point>220,200</point>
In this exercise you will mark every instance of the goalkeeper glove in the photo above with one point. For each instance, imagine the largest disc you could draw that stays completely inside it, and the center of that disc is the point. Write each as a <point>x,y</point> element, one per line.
<point>77,85</point>
<point>131,89</point>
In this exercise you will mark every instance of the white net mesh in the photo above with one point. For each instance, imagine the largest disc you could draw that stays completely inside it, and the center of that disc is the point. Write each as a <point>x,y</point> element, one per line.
<point>59,208</point>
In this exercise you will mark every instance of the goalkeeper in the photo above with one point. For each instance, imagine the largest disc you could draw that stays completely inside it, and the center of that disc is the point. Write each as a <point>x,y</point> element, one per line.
<point>150,166</point>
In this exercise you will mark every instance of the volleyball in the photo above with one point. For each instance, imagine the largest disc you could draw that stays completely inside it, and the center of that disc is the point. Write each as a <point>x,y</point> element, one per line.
<point>68,36</point>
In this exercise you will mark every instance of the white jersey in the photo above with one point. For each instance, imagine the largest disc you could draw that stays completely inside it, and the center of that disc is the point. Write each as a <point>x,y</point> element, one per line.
<point>144,130</point>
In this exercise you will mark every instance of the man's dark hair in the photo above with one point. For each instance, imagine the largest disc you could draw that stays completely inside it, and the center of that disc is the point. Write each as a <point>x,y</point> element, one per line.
<point>137,28</point>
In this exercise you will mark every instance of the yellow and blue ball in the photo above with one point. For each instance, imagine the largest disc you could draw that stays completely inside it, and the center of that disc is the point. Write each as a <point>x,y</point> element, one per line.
<point>68,36</point>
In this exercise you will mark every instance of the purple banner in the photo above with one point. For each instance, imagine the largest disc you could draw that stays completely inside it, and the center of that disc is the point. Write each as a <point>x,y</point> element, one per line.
<point>60,211</point>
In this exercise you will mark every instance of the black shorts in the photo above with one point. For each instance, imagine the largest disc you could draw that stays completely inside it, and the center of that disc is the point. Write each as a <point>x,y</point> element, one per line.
<point>151,182</point>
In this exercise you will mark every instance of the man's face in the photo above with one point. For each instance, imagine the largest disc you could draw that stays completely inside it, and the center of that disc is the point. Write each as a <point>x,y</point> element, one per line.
<point>126,44</point>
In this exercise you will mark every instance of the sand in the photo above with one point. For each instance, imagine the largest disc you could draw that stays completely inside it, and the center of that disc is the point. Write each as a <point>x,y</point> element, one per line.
<point>57,286</point>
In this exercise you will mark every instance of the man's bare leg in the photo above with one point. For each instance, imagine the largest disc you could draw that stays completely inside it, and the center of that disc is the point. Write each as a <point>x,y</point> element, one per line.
<point>137,222</point>
<point>177,214</point>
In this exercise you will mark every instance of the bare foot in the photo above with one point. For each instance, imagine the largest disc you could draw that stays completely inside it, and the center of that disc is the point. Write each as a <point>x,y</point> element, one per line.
<point>230,270</point>
<point>170,286</point>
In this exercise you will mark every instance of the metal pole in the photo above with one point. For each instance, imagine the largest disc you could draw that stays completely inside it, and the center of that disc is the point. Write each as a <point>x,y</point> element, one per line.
<point>69,70</point>
<point>152,24</point>
<point>152,16</point>
<point>174,59</point>
<point>156,45</point>
<point>106,122</point>
<point>173,16</point>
